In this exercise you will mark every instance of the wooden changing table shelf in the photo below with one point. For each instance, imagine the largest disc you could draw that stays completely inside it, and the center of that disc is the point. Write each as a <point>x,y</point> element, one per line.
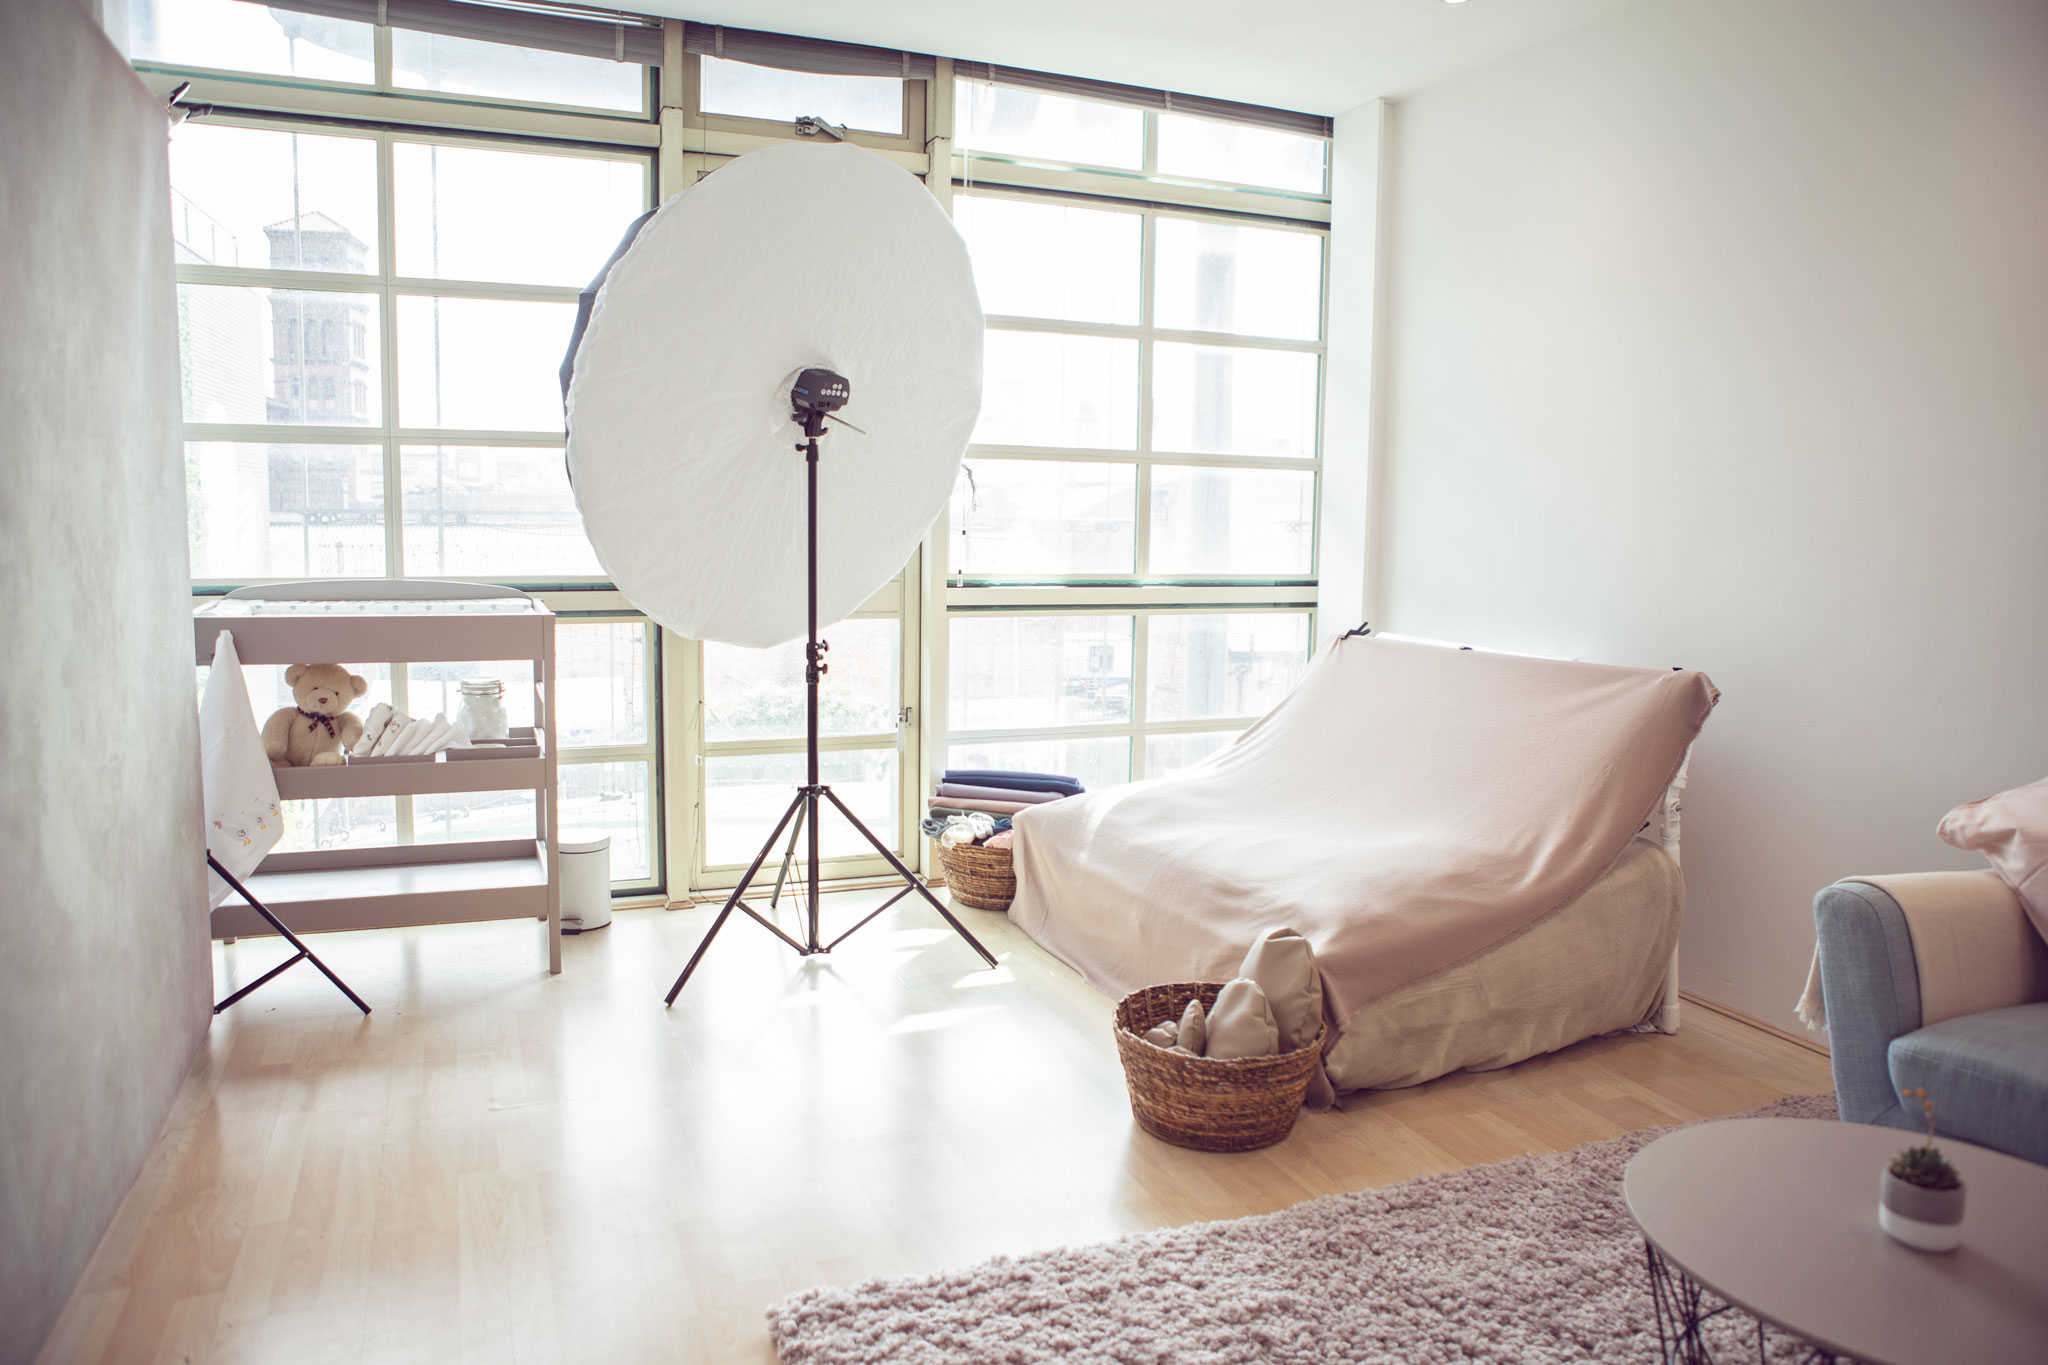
<point>402,621</point>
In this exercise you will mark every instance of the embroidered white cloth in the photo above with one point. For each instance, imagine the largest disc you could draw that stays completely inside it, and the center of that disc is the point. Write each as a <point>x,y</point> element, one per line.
<point>240,791</point>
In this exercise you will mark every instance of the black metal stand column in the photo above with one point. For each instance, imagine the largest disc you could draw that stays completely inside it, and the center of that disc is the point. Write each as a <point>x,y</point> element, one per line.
<point>805,808</point>
<point>304,953</point>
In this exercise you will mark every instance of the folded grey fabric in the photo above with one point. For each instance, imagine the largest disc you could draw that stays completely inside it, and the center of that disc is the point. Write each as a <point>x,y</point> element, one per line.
<point>1163,1035</point>
<point>1241,1022</point>
<point>1194,1029</point>
<point>1014,781</point>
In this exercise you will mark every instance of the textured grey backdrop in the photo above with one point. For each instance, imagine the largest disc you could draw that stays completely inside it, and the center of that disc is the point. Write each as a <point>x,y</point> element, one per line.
<point>105,975</point>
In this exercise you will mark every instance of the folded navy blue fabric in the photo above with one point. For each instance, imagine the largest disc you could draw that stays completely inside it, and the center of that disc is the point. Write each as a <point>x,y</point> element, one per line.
<point>1015,781</point>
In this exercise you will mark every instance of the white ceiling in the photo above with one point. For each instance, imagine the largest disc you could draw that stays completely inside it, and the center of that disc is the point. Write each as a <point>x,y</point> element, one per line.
<point>1322,56</point>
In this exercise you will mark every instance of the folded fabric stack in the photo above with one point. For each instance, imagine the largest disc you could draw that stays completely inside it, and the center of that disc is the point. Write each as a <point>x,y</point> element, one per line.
<point>974,805</point>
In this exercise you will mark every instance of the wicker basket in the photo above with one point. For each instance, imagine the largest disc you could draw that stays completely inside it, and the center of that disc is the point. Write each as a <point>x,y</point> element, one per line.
<point>1210,1104</point>
<point>984,878</point>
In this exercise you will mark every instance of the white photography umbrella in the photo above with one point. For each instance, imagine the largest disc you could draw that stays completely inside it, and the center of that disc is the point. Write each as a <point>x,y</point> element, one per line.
<point>680,443</point>
<point>789,283</point>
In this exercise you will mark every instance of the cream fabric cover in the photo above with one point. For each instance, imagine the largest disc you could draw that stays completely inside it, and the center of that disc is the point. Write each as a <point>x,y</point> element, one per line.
<point>1596,966</point>
<point>1972,945</point>
<point>1407,808</point>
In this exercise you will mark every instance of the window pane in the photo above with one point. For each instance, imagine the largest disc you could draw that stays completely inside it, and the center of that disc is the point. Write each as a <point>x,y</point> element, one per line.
<point>1094,763</point>
<point>1221,664</point>
<point>1233,400</point>
<point>1170,753</point>
<point>286,201</point>
<point>1215,277</point>
<point>436,688</point>
<point>1025,123</point>
<point>465,213</point>
<point>284,511</point>
<point>234,36</point>
<point>465,66</point>
<point>1050,517</point>
<point>1043,389</point>
<point>599,800</point>
<point>744,795</point>
<point>1045,260</point>
<point>1232,521</point>
<point>337,822</point>
<point>1208,149</point>
<point>871,103</point>
<point>453,817</point>
<point>492,512</point>
<point>602,667</point>
<point>481,364</point>
<point>1014,672</point>
<point>759,693</point>
<point>279,355</point>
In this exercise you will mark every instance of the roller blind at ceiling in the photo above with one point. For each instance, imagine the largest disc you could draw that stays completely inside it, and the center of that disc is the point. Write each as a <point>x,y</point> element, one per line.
<point>592,32</point>
<point>1258,115</point>
<point>621,37</point>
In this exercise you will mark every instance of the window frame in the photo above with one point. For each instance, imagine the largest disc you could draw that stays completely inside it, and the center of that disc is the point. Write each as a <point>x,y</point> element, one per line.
<point>576,600</point>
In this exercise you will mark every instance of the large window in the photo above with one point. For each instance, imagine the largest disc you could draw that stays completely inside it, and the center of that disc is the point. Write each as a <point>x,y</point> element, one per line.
<point>371,323</point>
<point>1149,440</point>
<point>381,233</point>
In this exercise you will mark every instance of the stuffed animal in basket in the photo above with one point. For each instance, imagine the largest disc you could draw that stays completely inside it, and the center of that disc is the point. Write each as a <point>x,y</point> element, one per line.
<point>314,733</point>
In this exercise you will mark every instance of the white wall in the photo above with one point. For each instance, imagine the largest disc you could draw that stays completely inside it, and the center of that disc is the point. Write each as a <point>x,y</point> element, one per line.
<point>105,974</point>
<point>1351,430</point>
<point>1718,336</point>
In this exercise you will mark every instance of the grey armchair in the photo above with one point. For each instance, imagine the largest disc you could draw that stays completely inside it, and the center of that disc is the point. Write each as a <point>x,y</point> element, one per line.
<point>1961,1010</point>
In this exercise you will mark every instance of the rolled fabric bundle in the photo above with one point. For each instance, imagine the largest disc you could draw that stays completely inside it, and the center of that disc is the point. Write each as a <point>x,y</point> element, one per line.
<point>392,730</point>
<point>401,742</point>
<point>439,736</point>
<point>961,792</point>
<point>1241,1022</point>
<point>373,729</point>
<point>1284,966</point>
<point>1002,838</point>
<point>1194,1028</point>
<point>1015,781</point>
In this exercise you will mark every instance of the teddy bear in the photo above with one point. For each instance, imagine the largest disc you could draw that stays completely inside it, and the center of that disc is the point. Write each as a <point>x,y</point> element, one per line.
<point>315,733</point>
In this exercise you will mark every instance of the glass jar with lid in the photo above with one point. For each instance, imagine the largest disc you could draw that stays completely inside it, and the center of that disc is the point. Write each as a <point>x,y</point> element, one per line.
<point>483,709</point>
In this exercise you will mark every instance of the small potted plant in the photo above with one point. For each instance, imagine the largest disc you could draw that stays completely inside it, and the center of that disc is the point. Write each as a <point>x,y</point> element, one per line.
<point>1920,1197</point>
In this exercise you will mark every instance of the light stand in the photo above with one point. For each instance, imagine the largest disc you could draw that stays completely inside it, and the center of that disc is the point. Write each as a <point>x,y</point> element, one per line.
<point>817,394</point>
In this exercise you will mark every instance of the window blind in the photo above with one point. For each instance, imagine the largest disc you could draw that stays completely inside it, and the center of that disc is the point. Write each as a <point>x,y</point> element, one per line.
<point>1166,101</point>
<point>817,55</point>
<point>583,33</point>
<point>589,32</point>
<point>593,32</point>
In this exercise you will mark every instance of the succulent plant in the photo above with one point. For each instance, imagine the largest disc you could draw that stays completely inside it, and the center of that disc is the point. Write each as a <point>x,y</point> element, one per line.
<point>1924,1165</point>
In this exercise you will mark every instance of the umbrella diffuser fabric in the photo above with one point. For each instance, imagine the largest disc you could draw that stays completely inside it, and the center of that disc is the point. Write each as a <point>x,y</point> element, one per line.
<point>683,457</point>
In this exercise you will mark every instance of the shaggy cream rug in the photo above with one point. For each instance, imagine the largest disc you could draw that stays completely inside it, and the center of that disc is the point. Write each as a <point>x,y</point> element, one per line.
<point>1532,1260</point>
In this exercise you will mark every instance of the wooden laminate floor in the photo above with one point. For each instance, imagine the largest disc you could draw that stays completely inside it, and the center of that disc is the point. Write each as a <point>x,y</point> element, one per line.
<point>498,1165</point>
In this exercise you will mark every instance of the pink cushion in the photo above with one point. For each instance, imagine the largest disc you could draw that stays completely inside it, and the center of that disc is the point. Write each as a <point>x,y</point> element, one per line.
<point>2011,829</point>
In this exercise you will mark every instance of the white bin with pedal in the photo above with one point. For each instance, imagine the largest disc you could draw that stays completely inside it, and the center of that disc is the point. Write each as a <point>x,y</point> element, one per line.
<point>586,885</point>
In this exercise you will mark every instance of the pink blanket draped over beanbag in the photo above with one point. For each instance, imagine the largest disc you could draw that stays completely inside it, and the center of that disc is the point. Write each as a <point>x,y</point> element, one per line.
<point>1406,807</point>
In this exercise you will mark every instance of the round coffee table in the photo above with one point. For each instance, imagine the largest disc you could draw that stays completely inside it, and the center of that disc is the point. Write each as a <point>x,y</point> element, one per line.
<point>1779,1218</point>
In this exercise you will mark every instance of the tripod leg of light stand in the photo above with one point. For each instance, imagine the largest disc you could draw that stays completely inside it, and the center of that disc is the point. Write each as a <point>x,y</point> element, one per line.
<point>767,847</point>
<point>788,858</point>
<point>910,877</point>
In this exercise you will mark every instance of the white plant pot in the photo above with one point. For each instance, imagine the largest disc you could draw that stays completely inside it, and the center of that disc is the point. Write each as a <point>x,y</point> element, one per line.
<point>1926,1220</point>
